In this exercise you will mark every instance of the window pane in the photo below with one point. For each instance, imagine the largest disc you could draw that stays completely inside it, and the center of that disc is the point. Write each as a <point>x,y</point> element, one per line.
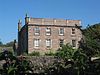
<point>74,43</point>
<point>48,42</point>
<point>36,43</point>
<point>37,30</point>
<point>61,42</point>
<point>73,30</point>
<point>48,31</point>
<point>61,31</point>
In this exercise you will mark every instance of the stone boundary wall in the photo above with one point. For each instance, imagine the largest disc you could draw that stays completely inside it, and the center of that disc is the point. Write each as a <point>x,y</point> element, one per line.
<point>43,60</point>
<point>40,60</point>
<point>40,63</point>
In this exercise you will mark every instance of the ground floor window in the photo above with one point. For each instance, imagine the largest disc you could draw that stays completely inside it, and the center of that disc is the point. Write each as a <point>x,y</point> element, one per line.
<point>36,42</point>
<point>61,42</point>
<point>48,43</point>
<point>73,43</point>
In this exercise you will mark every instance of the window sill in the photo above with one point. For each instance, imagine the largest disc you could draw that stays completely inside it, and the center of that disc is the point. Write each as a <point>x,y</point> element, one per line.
<point>61,34</point>
<point>48,34</point>
<point>36,47</point>
<point>48,48</point>
<point>73,35</point>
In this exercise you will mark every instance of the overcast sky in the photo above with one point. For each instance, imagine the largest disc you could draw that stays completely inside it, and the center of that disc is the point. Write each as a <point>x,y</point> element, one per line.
<point>88,11</point>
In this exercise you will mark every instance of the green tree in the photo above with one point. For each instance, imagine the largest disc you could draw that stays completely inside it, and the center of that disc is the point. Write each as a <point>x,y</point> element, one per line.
<point>66,52</point>
<point>1,43</point>
<point>10,44</point>
<point>74,62</point>
<point>91,44</point>
<point>80,62</point>
<point>15,65</point>
<point>34,53</point>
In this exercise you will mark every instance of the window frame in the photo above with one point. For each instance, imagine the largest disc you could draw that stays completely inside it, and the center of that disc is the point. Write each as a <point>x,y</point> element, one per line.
<point>36,43</point>
<point>48,31</point>
<point>36,30</point>
<point>73,43</point>
<point>61,42</point>
<point>48,43</point>
<point>61,31</point>
<point>73,31</point>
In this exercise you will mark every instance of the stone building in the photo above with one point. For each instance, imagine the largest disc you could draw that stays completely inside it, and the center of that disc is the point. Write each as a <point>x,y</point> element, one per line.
<point>43,35</point>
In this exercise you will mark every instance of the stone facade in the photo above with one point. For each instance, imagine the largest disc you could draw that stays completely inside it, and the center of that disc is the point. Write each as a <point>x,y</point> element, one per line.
<point>43,35</point>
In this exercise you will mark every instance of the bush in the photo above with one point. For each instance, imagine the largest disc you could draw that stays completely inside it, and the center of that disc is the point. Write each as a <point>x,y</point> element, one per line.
<point>66,52</point>
<point>50,54</point>
<point>34,53</point>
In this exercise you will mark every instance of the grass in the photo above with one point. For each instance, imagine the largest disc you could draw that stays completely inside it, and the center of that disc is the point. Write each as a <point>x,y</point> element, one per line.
<point>7,48</point>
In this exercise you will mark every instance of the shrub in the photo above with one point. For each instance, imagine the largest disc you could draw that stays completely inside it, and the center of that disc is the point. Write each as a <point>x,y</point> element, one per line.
<point>50,54</point>
<point>34,53</point>
<point>66,52</point>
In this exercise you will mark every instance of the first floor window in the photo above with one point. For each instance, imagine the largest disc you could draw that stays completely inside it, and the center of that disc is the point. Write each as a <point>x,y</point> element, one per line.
<point>36,42</point>
<point>48,31</point>
<point>61,31</point>
<point>73,43</point>
<point>73,30</point>
<point>37,30</point>
<point>61,42</point>
<point>48,43</point>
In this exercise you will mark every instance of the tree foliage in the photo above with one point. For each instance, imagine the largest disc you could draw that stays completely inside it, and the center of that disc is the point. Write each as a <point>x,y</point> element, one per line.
<point>14,65</point>
<point>10,44</point>
<point>34,53</point>
<point>66,52</point>
<point>91,44</point>
<point>1,43</point>
<point>78,65</point>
